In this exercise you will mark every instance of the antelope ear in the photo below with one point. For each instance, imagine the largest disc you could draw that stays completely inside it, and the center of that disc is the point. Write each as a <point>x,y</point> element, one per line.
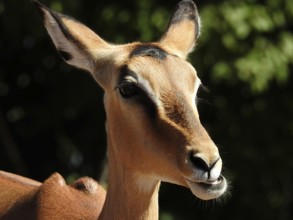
<point>183,29</point>
<point>77,44</point>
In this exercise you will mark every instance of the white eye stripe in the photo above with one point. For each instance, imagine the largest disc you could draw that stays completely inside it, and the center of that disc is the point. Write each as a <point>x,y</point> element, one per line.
<point>145,85</point>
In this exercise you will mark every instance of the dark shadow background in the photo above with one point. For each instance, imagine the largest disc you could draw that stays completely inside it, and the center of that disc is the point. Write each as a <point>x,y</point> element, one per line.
<point>52,117</point>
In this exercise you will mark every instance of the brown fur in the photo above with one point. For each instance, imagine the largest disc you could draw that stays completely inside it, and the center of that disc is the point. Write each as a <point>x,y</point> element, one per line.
<point>29,199</point>
<point>153,136</point>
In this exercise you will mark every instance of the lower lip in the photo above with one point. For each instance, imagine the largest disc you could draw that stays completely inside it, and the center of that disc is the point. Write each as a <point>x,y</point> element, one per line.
<point>208,190</point>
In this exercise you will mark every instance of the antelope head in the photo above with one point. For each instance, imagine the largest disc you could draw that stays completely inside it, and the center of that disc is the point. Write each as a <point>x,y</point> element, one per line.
<point>153,126</point>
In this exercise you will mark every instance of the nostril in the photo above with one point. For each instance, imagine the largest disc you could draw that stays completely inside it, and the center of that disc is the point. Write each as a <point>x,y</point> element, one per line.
<point>199,162</point>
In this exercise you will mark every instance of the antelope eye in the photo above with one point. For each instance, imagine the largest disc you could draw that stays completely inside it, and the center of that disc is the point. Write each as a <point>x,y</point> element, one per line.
<point>128,89</point>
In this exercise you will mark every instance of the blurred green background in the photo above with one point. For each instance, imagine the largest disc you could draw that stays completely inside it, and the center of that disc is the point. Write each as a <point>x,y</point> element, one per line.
<point>52,117</point>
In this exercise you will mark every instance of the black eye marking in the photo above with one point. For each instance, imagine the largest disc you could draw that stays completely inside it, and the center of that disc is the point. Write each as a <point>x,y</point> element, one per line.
<point>149,50</point>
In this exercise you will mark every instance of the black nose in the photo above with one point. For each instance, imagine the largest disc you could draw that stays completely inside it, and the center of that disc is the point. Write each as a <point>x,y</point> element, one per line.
<point>199,162</point>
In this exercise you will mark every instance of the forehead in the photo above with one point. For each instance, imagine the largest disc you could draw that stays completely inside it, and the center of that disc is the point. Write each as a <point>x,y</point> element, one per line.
<point>160,68</point>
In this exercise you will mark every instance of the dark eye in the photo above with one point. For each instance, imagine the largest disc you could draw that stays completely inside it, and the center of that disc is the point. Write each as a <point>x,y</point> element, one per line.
<point>128,89</point>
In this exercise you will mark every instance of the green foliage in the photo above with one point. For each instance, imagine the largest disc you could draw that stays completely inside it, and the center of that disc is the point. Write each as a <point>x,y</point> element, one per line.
<point>255,39</point>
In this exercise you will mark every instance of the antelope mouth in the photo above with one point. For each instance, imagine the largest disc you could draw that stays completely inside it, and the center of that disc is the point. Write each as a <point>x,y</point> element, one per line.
<point>208,190</point>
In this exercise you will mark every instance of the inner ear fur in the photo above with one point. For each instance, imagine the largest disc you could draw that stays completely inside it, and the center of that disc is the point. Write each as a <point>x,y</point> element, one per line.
<point>77,44</point>
<point>183,29</point>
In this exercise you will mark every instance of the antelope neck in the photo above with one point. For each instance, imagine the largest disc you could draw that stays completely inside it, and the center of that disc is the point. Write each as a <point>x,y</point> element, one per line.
<point>129,195</point>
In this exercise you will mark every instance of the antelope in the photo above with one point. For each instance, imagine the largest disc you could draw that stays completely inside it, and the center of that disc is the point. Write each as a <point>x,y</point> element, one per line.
<point>154,132</point>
